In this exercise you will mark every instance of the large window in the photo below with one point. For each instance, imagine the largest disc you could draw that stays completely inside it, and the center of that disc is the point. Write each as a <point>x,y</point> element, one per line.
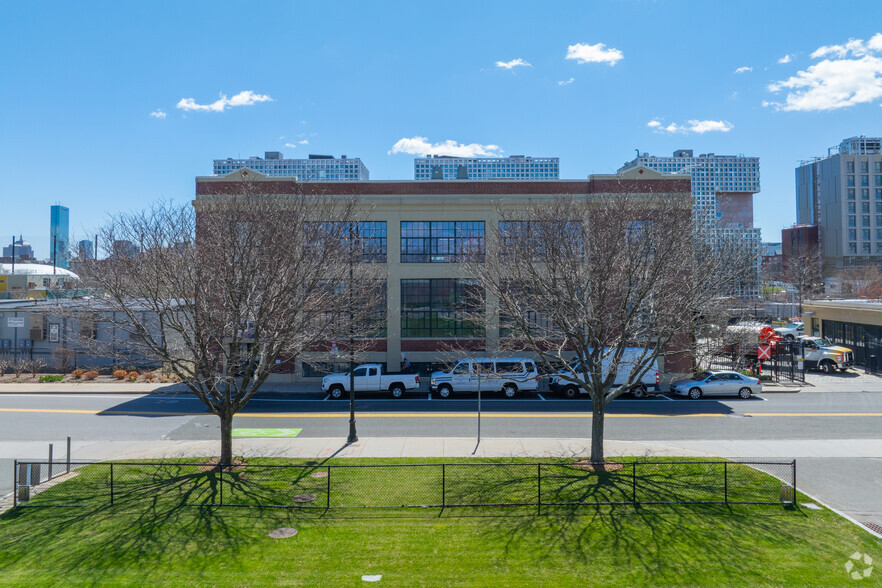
<point>441,241</point>
<point>533,235</point>
<point>369,237</point>
<point>372,240</point>
<point>440,308</point>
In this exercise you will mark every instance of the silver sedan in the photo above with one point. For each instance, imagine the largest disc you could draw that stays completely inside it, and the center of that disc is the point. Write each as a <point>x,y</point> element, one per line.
<point>717,384</point>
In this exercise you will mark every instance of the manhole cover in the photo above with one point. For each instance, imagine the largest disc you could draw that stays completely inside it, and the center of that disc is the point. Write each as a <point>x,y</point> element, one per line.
<point>318,475</point>
<point>283,533</point>
<point>304,498</point>
<point>873,527</point>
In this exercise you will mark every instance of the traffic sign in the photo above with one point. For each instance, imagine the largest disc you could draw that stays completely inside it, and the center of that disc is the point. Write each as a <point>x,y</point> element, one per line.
<point>764,352</point>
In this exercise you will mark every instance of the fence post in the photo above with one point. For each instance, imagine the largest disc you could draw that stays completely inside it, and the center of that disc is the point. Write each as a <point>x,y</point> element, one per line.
<point>111,483</point>
<point>67,469</point>
<point>15,483</point>
<point>793,479</point>
<point>726,481</point>
<point>328,503</point>
<point>221,469</point>
<point>634,483</point>
<point>443,485</point>
<point>49,471</point>
<point>539,490</point>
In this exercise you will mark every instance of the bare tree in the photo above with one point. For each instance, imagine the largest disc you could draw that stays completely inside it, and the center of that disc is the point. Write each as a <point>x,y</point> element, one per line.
<point>579,281</point>
<point>802,269</point>
<point>862,281</point>
<point>221,292</point>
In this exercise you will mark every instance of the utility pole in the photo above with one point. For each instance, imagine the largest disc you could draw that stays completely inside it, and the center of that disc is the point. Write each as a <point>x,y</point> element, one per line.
<point>13,255</point>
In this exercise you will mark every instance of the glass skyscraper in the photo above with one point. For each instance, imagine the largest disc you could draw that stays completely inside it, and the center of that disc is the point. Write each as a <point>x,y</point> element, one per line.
<point>59,235</point>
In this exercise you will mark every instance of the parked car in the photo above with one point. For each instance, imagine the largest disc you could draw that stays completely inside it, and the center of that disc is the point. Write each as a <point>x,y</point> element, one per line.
<point>509,375</point>
<point>714,383</point>
<point>648,383</point>
<point>370,378</point>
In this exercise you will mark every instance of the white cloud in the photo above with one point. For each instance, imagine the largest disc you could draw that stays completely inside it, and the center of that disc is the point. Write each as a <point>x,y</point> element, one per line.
<point>786,59</point>
<point>291,145</point>
<point>584,53</point>
<point>421,146</point>
<point>692,126</point>
<point>244,98</point>
<point>513,63</point>
<point>566,82</point>
<point>159,113</point>
<point>303,142</point>
<point>708,126</point>
<point>850,74</point>
<point>856,47</point>
<point>744,69</point>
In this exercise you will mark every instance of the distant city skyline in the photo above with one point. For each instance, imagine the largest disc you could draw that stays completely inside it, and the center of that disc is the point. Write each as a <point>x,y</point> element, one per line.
<point>589,83</point>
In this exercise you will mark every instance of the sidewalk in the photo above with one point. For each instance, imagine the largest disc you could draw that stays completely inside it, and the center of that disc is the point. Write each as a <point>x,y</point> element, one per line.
<point>451,447</point>
<point>139,388</point>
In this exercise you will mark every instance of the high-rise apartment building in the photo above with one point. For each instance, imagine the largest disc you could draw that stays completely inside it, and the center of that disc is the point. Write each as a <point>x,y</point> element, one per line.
<point>325,168</point>
<point>841,194</point>
<point>723,187</point>
<point>514,167</point>
<point>59,235</point>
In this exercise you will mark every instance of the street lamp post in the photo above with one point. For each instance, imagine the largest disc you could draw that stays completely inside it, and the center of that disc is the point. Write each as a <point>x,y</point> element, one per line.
<point>353,437</point>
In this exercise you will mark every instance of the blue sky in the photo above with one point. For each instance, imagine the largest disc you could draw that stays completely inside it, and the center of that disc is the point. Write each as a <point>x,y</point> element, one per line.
<point>358,78</point>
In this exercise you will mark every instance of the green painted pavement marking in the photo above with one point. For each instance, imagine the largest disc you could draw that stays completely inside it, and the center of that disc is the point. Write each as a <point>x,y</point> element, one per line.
<point>266,432</point>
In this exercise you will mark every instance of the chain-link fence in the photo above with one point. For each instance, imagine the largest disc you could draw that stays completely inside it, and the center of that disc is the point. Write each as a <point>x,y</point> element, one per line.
<point>330,486</point>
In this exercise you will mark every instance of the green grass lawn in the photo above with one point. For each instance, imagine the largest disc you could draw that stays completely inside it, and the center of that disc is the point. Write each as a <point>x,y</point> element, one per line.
<point>157,534</point>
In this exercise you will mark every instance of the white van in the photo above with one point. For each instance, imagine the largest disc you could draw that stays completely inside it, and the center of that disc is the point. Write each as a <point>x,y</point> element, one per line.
<point>506,374</point>
<point>649,383</point>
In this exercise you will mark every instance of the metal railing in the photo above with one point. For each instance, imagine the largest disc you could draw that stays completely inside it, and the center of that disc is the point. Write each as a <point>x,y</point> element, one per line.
<point>438,485</point>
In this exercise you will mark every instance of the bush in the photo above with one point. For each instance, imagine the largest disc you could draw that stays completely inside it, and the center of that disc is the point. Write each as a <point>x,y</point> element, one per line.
<point>64,358</point>
<point>34,365</point>
<point>120,374</point>
<point>90,375</point>
<point>51,378</point>
<point>77,374</point>
<point>132,376</point>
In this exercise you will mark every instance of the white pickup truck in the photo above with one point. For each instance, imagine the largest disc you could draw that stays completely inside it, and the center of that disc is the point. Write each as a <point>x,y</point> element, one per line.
<point>369,377</point>
<point>822,354</point>
<point>791,332</point>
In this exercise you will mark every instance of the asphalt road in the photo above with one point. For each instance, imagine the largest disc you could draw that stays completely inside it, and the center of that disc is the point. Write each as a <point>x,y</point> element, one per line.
<point>839,415</point>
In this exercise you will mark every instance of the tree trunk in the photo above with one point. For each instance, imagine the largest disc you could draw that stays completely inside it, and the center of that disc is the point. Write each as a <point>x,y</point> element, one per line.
<point>597,415</point>
<point>226,456</point>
